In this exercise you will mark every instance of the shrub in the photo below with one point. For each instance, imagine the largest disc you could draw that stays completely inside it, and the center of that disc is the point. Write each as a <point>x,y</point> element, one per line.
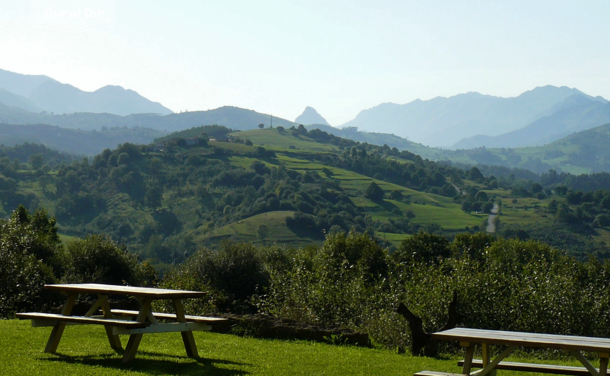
<point>231,275</point>
<point>29,248</point>
<point>98,259</point>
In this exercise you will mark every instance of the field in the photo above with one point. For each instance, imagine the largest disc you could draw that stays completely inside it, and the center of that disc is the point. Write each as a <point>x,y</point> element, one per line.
<point>84,350</point>
<point>272,138</point>
<point>245,230</point>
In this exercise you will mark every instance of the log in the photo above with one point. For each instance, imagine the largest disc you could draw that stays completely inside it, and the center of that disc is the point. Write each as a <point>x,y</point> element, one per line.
<point>421,341</point>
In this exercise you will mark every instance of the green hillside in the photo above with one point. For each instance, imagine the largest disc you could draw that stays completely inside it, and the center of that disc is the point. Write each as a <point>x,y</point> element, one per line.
<point>285,186</point>
<point>75,141</point>
<point>579,153</point>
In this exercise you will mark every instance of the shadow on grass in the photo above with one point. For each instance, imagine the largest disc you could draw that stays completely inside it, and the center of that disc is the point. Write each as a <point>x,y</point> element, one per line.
<point>164,366</point>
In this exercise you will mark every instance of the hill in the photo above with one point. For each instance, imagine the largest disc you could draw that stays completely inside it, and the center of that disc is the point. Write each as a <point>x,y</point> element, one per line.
<point>310,116</point>
<point>74,141</point>
<point>443,121</point>
<point>52,96</point>
<point>574,114</point>
<point>232,117</point>
<point>184,197</point>
<point>583,152</point>
<point>166,202</point>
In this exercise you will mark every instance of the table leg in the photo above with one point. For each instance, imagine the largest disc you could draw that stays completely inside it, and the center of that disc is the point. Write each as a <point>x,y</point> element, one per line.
<point>134,339</point>
<point>603,364</point>
<point>115,341</point>
<point>491,366</point>
<point>486,357</point>
<point>578,355</point>
<point>467,357</point>
<point>58,329</point>
<point>187,336</point>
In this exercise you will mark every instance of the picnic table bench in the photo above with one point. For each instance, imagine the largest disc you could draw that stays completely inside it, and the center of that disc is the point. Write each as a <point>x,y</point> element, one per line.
<point>575,344</point>
<point>117,322</point>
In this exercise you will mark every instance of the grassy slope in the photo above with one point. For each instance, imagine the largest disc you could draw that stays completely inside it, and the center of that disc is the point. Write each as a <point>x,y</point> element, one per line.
<point>84,350</point>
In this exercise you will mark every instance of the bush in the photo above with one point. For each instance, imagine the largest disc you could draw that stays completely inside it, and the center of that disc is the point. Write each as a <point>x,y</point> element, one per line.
<point>98,259</point>
<point>231,276</point>
<point>29,248</point>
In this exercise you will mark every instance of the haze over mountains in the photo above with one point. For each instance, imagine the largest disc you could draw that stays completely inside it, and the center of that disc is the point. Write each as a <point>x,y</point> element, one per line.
<point>42,93</point>
<point>443,122</point>
<point>465,121</point>
<point>576,113</point>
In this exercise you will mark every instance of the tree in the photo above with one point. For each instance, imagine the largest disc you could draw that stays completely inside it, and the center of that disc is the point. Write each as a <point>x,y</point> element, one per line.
<point>396,195</point>
<point>374,192</point>
<point>262,232</point>
<point>467,206</point>
<point>280,129</point>
<point>36,161</point>
<point>261,126</point>
<point>536,188</point>
<point>44,182</point>
<point>424,248</point>
<point>602,220</point>
<point>301,129</point>
<point>181,142</point>
<point>475,174</point>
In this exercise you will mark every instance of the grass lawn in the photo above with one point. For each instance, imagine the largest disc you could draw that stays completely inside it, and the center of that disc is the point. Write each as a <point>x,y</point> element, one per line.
<point>84,350</point>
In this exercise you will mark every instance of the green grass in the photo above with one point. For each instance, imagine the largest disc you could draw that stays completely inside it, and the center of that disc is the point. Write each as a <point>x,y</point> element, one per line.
<point>84,350</point>
<point>245,230</point>
<point>273,139</point>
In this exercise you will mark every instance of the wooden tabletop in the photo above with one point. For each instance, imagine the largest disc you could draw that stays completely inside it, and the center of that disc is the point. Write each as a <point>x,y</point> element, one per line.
<point>147,292</point>
<point>498,337</point>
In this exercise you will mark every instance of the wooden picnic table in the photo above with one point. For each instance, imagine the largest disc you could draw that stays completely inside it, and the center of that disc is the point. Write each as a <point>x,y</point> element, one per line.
<point>575,344</point>
<point>138,322</point>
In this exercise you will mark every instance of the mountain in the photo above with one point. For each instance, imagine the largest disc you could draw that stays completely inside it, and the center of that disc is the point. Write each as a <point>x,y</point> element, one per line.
<point>15,100</point>
<point>21,84</point>
<point>443,121</point>
<point>232,117</point>
<point>574,114</point>
<point>74,141</point>
<point>47,94</point>
<point>310,116</point>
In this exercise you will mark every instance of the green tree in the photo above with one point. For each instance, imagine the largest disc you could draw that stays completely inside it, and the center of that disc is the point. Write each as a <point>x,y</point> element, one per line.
<point>29,257</point>
<point>261,126</point>
<point>423,248</point>
<point>98,259</point>
<point>262,232</point>
<point>475,174</point>
<point>374,192</point>
<point>36,161</point>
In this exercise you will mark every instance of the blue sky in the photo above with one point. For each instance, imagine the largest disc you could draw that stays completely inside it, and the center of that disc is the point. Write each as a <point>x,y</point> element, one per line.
<point>339,57</point>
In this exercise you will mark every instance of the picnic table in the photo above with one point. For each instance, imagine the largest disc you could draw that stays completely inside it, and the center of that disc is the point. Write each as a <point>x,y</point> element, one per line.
<point>575,344</point>
<point>118,322</point>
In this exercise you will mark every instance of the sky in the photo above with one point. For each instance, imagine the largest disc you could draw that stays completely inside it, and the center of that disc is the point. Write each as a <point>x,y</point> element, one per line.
<point>339,57</point>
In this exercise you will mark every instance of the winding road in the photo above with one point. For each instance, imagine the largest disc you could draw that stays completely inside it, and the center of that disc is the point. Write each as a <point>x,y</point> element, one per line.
<point>491,227</point>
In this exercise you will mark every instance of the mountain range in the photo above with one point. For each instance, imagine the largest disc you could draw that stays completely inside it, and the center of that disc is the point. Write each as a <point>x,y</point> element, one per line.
<point>443,122</point>
<point>42,93</point>
<point>576,113</point>
<point>465,121</point>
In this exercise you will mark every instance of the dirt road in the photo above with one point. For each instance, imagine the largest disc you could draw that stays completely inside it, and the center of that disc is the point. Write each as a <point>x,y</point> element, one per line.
<point>490,221</point>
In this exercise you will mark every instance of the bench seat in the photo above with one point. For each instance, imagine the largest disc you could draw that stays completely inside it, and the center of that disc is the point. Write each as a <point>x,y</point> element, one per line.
<point>532,367</point>
<point>171,316</point>
<point>435,373</point>
<point>48,317</point>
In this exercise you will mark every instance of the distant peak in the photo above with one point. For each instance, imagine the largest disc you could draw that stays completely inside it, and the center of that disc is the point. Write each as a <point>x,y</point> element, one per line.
<point>310,116</point>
